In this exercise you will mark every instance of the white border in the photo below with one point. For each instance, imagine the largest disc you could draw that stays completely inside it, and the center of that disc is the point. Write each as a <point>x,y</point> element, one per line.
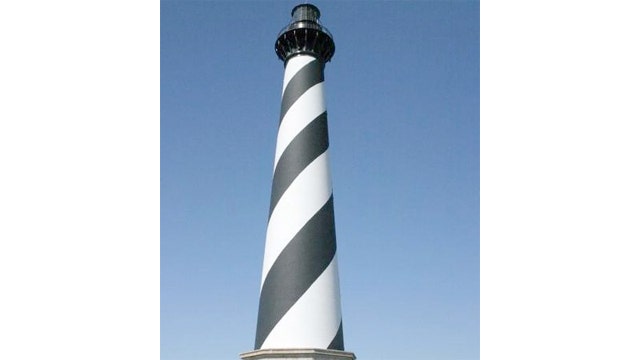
<point>560,180</point>
<point>79,183</point>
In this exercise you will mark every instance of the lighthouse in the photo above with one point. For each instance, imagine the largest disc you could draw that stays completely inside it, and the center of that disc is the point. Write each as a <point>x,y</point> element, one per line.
<point>299,314</point>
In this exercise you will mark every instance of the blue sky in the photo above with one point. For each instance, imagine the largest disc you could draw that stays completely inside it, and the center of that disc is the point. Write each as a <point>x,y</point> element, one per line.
<point>402,95</point>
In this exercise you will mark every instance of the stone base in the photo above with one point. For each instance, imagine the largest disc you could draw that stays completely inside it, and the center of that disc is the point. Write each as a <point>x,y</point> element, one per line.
<point>297,354</point>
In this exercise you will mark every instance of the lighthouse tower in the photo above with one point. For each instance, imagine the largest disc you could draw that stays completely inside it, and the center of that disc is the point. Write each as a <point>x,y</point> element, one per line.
<point>299,314</point>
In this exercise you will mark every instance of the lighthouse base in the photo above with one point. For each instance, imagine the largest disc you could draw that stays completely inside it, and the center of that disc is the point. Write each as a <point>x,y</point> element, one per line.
<point>297,354</point>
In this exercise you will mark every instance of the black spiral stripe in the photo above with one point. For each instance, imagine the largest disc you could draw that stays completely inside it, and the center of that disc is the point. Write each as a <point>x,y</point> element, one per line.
<point>303,258</point>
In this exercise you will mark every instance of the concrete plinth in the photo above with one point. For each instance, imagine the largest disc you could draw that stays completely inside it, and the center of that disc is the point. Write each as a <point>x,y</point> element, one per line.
<point>297,354</point>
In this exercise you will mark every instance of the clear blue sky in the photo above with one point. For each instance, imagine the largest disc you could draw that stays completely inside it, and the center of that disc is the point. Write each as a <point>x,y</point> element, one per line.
<point>402,95</point>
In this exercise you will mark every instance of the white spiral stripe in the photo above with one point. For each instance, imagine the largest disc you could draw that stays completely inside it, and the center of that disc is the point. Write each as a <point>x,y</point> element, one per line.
<point>293,66</point>
<point>308,107</point>
<point>313,321</point>
<point>305,196</point>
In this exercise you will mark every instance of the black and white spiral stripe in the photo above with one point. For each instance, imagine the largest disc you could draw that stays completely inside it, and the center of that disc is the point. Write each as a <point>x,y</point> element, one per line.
<point>300,296</point>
